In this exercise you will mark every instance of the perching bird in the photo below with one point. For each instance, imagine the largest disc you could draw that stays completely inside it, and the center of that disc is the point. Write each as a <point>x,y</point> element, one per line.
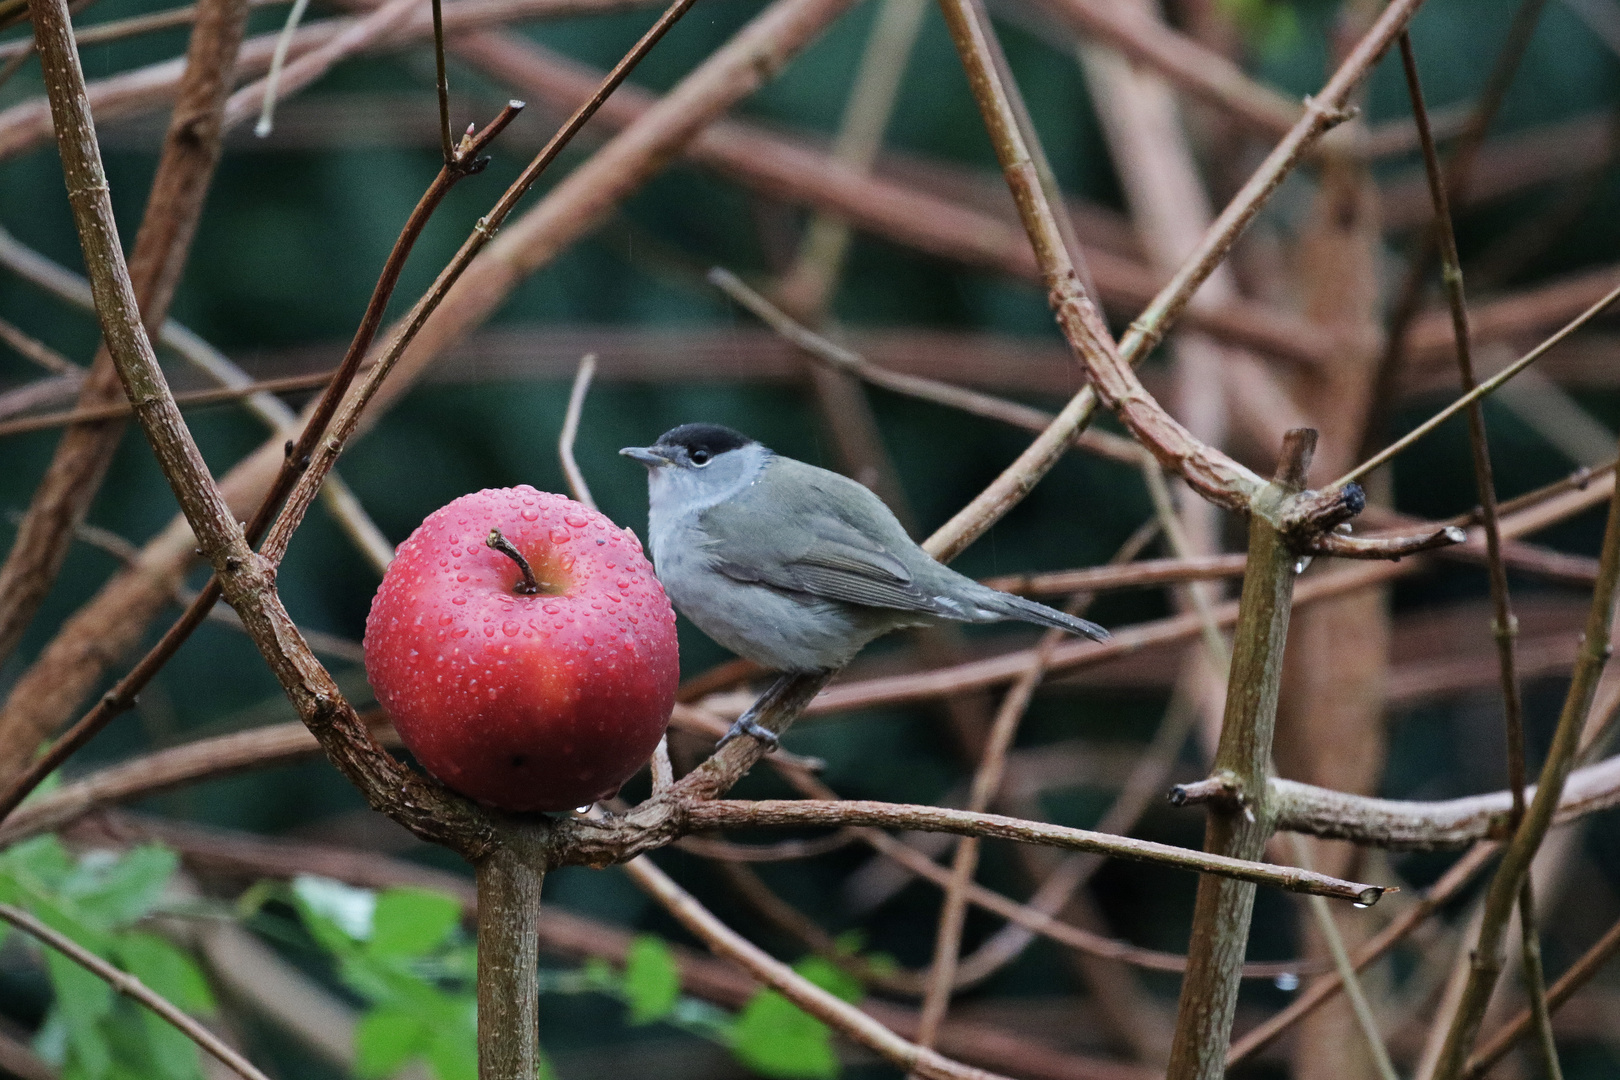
<point>792,566</point>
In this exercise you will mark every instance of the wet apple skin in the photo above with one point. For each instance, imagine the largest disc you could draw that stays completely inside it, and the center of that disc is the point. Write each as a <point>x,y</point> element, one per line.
<point>543,702</point>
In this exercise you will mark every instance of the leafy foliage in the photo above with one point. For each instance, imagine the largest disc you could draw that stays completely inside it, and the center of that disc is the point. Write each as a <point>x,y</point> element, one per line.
<point>775,1037</point>
<point>99,900</point>
<point>402,952</point>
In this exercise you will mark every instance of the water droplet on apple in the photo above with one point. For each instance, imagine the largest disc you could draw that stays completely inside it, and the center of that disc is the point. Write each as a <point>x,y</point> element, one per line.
<point>623,583</point>
<point>511,628</point>
<point>446,620</point>
<point>575,520</point>
<point>552,609</point>
<point>461,576</point>
<point>458,599</point>
<point>489,631</point>
<point>561,536</point>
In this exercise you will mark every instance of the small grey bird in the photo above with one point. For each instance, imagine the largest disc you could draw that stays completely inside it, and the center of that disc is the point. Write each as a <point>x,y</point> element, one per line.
<point>794,567</point>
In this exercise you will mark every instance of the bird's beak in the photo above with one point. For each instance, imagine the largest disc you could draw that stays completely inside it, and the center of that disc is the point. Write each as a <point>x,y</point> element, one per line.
<point>649,456</point>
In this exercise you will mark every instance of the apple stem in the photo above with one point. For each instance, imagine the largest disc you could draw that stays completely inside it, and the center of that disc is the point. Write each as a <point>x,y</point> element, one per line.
<point>528,586</point>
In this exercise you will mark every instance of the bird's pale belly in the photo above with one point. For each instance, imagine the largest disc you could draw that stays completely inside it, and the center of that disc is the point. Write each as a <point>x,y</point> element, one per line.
<point>777,630</point>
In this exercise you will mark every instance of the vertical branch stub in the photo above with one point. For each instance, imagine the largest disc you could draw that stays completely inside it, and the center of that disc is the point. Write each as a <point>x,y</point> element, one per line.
<point>509,879</point>
<point>528,586</point>
<point>1241,827</point>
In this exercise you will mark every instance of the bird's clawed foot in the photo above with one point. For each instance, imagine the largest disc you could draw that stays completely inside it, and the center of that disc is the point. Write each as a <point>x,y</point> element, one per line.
<point>747,725</point>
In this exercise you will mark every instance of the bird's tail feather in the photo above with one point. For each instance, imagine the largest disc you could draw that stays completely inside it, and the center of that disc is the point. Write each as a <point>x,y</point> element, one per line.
<point>1017,607</point>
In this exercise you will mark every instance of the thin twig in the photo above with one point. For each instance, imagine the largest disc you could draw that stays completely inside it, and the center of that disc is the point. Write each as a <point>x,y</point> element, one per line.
<point>733,814</point>
<point>246,578</point>
<point>447,145</point>
<point>1535,981</point>
<point>1578,975</point>
<point>346,419</point>
<point>1503,894</point>
<point>1459,175</point>
<point>1504,625</point>
<point>987,780</point>
<point>850,1021</point>
<point>1478,392</point>
<point>272,81</point>
<point>1323,989</point>
<point>570,428</point>
<point>191,146</point>
<point>128,985</point>
<point>122,696</point>
<point>118,29</point>
<point>38,352</point>
<point>1346,970</point>
<point>955,397</point>
<point>1182,60</point>
<point>194,398</point>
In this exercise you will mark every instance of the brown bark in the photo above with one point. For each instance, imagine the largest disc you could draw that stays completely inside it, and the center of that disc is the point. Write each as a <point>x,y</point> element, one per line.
<point>1330,720</point>
<point>190,152</point>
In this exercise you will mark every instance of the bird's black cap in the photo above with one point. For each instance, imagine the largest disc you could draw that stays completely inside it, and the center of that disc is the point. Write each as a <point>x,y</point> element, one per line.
<point>711,438</point>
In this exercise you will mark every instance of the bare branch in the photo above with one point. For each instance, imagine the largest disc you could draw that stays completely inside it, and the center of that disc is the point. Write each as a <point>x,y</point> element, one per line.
<point>840,358</point>
<point>723,813</point>
<point>1323,989</point>
<point>130,986</point>
<point>1401,825</point>
<point>1578,975</point>
<point>185,168</point>
<point>1521,849</point>
<point>565,441</point>
<point>1478,392</point>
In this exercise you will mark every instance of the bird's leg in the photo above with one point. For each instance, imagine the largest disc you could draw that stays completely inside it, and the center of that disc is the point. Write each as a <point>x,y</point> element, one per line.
<point>748,723</point>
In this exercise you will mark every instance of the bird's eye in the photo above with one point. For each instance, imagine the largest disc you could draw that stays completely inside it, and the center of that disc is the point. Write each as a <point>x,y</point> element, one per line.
<point>700,457</point>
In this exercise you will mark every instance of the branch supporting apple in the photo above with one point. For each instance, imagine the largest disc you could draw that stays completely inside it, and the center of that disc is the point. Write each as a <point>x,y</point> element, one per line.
<point>524,649</point>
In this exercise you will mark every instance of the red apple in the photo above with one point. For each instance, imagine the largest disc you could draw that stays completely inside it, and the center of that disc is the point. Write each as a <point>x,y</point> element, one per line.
<point>525,702</point>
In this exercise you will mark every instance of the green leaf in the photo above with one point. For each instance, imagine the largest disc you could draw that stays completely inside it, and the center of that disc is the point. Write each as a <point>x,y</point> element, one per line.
<point>336,914</point>
<point>117,892</point>
<point>412,922</point>
<point>831,978</point>
<point>652,981</point>
<point>89,1056</point>
<point>453,1049</point>
<point>82,1001</point>
<point>385,1039</point>
<point>172,1054</point>
<point>775,1037</point>
<point>41,863</point>
<point>166,969</point>
<point>351,909</point>
<point>82,997</point>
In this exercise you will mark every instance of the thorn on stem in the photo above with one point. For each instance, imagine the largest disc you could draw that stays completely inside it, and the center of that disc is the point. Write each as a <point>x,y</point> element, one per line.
<point>528,586</point>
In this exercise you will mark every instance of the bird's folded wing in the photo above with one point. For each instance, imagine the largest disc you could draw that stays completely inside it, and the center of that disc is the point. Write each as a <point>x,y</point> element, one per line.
<point>817,553</point>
